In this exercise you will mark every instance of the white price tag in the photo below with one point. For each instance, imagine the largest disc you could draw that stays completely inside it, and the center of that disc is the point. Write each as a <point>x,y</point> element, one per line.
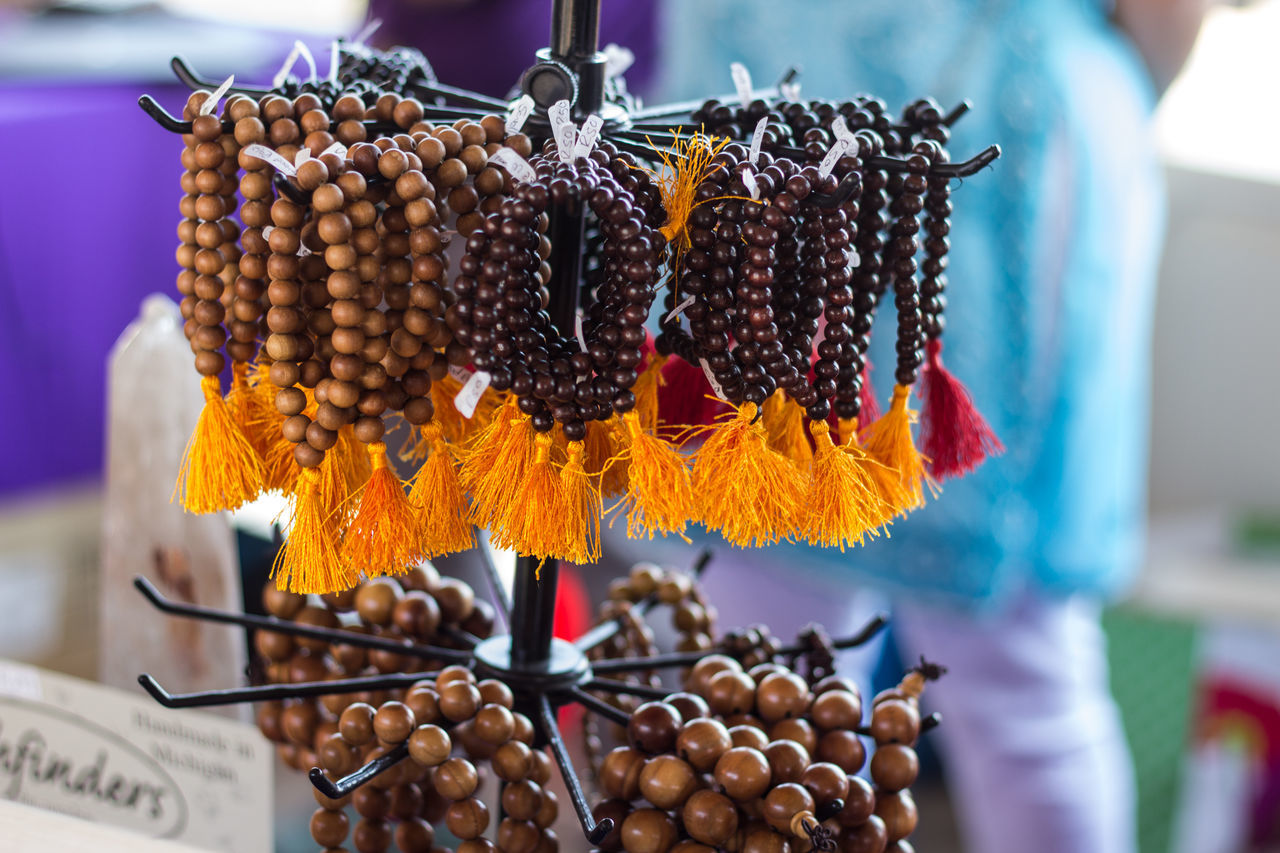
<point>837,151</point>
<point>368,31</point>
<point>265,154</point>
<point>303,155</point>
<point>711,377</point>
<point>307,58</point>
<point>519,167</point>
<point>790,92</point>
<point>283,74</point>
<point>566,135</point>
<point>459,374</point>
<point>469,397</point>
<point>333,61</point>
<point>577,331</point>
<point>752,184</point>
<point>587,136</point>
<point>840,129</point>
<point>757,139</point>
<point>336,148</point>
<point>519,114</point>
<point>741,81</point>
<point>679,309</point>
<point>210,105</point>
<point>617,60</point>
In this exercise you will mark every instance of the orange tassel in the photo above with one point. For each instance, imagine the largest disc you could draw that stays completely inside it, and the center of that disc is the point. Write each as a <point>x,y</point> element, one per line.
<point>220,469</point>
<point>659,498</point>
<point>842,504</point>
<point>646,391</point>
<point>382,537</point>
<point>309,561</point>
<point>251,410</point>
<point>533,522</point>
<point>608,471</point>
<point>784,422</point>
<point>495,463</point>
<point>582,509</point>
<point>888,441</point>
<point>439,500</point>
<point>445,414</point>
<point>748,492</point>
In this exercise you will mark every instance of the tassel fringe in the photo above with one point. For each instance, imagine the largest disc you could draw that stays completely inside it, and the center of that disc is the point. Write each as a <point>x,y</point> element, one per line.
<point>220,468</point>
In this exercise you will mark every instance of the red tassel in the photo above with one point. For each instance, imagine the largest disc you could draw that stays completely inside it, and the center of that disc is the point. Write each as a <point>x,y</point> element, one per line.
<point>869,406</point>
<point>954,437</point>
<point>685,399</point>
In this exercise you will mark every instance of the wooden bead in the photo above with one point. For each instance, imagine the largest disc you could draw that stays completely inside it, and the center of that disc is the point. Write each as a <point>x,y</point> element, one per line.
<point>648,831</point>
<point>690,705</point>
<point>762,839</point>
<point>898,811</point>
<point>494,723</point>
<point>456,599</point>
<point>731,692</point>
<point>376,599</point>
<point>783,803</point>
<point>787,760</point>
<point>710,818</point>
<point>782,695</point>
<point>667,781</point>
<point>467,818</point>
<point>417,615</point>
<point>472,845</point>
<point>281,604</point>
<point>337,756</point>
<point>430,745</point>
<point>329,828</point>
<point>406,801</point>
<point>843,749</point>
<point>895,721</point>
<point>456,779</point>
<point>702,741</point>
<point>894,766</point>
<point>826,782</point>
<point>454,673</point>
<point>459,701</point>
<point>518,836</point>
<point>298,722</point>
<point>372,836</point>
<point>414,835</point>
<point>836,709</point>
<point>494,692</point>
<point>743,773</point>
<point>522,800</point>
<point>513,761</point>
<point>700,675</point>
<point>859,802</point>
<point>620,771</point>
<point>750,736</point>
<point>797,729</point>
<point>653,727</point>
<point>550,808</point>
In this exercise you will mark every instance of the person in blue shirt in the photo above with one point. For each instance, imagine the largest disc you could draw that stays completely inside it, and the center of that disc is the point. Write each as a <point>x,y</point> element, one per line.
<point>1052,274</point>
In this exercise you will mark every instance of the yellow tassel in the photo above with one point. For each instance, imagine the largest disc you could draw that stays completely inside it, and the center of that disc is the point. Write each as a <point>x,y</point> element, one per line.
<point>842,504</point>
<point>309,561</point>
<point>646,391</point>
<point>582,509</point>
<point>353,459</point>
<point>847,429</point>
<point>533,522</point>
<point>220,469</point>
<point>659,498</point>
<point>748,492</point>
<point>607,469</point>
<point>495,463</point>
<point>888,441</point>
<point>438,499</point>
<point>382,537</point>
<point>784,422</point>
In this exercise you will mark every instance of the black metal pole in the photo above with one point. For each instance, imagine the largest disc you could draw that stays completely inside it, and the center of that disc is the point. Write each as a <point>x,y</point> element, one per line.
<point>533,614</point>
<point>575,29</point>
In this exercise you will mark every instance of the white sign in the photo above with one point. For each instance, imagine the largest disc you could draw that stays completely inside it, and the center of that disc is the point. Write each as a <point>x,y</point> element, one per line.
<point>115,757</point>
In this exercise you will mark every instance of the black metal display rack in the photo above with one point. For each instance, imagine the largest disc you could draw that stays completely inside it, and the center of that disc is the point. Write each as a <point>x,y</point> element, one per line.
<point>543,673</point>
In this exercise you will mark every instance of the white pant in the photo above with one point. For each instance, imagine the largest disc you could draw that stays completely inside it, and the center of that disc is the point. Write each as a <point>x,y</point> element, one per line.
<point>1031,740</point>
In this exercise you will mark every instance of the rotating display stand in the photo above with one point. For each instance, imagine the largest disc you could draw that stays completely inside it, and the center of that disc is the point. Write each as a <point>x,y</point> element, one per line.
<point>542,672</point>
